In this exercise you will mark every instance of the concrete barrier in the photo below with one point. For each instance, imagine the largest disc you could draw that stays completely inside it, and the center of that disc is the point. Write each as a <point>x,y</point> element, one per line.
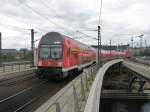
<point>94,95</point>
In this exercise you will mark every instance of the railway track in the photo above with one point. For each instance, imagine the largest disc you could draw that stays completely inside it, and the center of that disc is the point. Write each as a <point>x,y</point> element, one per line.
<point>15,80</point>
<point>20,99</point>
<point>17,75</point>
<point>142,62</point>
<point>27,93</point>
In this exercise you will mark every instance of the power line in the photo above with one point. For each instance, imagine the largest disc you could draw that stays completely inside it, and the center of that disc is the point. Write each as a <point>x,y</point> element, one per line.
<point>100,12</point>
<point>36,12</point>
<point>53,11</point>
<point>89,29</point>
<point>37,39</point>
<point>14,27</point>
<point>88,35</point>
<point>19,28</point>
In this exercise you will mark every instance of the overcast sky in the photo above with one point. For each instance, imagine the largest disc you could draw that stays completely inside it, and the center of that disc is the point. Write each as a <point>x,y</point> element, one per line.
<point>120,19</point>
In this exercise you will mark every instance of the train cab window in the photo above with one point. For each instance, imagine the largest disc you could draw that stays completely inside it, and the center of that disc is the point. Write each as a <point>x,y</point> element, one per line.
<point>56,52</point>
<point>44,52</point>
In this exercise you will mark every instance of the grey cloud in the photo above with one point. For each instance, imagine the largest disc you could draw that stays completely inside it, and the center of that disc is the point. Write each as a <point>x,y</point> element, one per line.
<point>72,16</point>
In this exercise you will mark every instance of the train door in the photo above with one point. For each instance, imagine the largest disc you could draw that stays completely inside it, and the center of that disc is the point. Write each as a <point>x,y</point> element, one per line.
<point>68,54</point>
<point>75,58</point>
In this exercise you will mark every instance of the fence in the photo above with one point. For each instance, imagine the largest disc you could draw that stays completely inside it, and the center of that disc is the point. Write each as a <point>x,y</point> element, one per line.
<point>16,66</point>
<point>71,98</point>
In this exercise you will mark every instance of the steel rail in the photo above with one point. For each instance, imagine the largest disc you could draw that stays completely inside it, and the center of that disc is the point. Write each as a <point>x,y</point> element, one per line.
<point>14,80</point>
<point>9,76</point>
<point>21,92</point>
<point>26,104</point>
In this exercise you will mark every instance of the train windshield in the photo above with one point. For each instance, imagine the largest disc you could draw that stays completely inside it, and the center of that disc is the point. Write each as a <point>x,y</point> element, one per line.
<point>51,52</point>
<point>56,52</point>
<point>44,52</point>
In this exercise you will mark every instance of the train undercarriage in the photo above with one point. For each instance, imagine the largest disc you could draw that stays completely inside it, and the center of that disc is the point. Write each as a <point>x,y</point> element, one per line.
<point>56,73</point>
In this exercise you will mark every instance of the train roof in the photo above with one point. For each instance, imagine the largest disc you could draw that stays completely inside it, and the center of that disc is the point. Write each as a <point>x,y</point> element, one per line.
<point>58,38</point>
<point>52,38</point>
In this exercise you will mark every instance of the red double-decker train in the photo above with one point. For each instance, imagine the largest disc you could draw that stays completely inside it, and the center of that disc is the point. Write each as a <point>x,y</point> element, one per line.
<point>58,56</point>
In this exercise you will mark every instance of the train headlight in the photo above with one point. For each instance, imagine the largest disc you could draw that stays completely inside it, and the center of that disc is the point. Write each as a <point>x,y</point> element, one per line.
<point>59,63</point>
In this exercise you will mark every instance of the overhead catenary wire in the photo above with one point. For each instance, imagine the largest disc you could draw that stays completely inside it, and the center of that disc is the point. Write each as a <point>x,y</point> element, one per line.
<point>92,37</point>
<point>32,26</point>
<point>100,12</point>
<point>55,14</point>
<point>19,29</point>
<point>14,27</point>
<point>39,14</point>
<point>44,17</point>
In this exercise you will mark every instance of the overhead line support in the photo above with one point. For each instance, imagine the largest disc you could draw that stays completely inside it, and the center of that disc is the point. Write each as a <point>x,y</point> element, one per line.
<point>32,46</point>
<point>99,46</point>
<point>0,48</point>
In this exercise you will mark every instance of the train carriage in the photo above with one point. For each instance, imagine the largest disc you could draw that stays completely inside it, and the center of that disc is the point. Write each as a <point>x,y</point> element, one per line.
<point>59,55</point>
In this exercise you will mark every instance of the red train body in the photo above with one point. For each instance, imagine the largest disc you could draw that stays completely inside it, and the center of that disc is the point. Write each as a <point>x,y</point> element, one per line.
<point>58,55</point>
<point>114,54</point>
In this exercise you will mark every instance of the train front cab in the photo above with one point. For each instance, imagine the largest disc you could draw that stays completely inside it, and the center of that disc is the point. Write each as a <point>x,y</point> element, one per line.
<point>60,56</point>
<point>50,56</point>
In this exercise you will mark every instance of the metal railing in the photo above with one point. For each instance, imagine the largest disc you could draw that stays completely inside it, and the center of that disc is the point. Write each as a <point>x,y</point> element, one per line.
<point>14,66</point>
<point>71,98</point>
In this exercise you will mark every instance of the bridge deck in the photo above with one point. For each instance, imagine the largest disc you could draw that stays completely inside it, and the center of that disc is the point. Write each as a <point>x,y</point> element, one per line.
<point>139,69</point>
<point>95,92</point>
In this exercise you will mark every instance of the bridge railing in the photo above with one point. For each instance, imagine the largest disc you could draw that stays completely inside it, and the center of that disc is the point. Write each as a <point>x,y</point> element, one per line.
<point>93,100</point>
<point>71,98</point>
<point>14,66</point>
